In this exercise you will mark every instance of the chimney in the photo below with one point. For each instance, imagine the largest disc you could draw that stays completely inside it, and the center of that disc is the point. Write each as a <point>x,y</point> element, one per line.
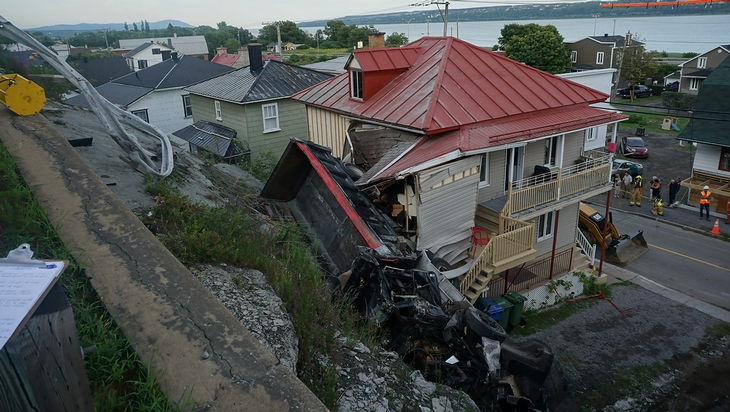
<point>254,57</point>
<point>376,40</point>
<point>169,43</point>
<point>220,50</point>
<point>174,56</point>
<point>174,34</point>
<point>605,34</point>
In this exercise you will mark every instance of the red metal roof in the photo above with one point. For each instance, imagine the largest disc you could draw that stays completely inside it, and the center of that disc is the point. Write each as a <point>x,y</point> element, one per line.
<point>521,128</point>
<point>385,59</point>
<point>451,84</point>
<point>225,59</point>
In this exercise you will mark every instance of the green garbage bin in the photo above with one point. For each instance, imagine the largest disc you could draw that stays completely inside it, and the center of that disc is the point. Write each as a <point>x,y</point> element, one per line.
<point>504,316</point>
<point>518,304</point>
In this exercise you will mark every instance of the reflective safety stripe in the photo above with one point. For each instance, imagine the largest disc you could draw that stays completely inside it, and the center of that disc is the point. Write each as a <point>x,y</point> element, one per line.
<point>705,197</point>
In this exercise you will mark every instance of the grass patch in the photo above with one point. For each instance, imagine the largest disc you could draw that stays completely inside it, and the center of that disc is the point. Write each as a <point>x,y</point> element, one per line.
<point>651,121</point>
<point>629,382</point>
<point>718,330</point>
<point>196,233</point>
<point>119,380</point>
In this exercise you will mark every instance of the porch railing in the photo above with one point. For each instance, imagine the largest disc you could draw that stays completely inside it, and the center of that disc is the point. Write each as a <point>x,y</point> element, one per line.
<point>593,171</point>
<point>518,238</point>
<point>537,273</point>
<point>588,248</point>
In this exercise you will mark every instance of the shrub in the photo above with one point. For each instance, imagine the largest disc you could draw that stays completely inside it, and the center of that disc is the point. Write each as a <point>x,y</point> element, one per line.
<point>679,101</point>
<point>637,119</point>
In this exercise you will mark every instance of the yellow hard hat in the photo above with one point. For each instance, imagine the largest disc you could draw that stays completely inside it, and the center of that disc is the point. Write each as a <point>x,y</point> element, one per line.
<point>638,177</point>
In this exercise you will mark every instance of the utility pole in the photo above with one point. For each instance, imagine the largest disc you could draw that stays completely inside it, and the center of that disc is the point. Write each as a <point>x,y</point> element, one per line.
<point>278,36</point>
<point>105,39</point>
<point>620,65</point>
<point>445,15</point>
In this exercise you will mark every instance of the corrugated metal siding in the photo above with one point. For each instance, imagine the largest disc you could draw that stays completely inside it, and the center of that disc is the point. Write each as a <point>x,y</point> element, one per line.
<point>327,128</point>
<point>566,230</point>
<point>447,210</point>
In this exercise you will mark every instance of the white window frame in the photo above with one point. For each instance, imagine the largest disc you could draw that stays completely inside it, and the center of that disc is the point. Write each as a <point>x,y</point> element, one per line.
<point>554,151</point>
<point>702,63</point>
<point>694,83</point>
<point>574,56</point>
<point>142,64</point>
<point>544,225</point>
<point>187,106</point>
<point>356,84</point>
<point>142,114</point>
<point>266,113</point>
<point>599,58</point>
<point>218,111</point>
<point>591,133</point>
<point>484,171</point>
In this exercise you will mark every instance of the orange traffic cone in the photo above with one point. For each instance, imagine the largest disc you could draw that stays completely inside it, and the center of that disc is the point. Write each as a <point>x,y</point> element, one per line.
<point>716,229</point>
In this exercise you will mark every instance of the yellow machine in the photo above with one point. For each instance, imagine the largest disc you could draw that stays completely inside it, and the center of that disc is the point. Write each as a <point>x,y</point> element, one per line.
<point>20,95</point>
<point>620,249</point>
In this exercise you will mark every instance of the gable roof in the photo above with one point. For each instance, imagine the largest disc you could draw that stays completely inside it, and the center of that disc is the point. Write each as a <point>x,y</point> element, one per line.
<point>212,137</point>
<point>725,47</point>
<point>119,94</point>
<point>100,71</point>
<point>453,84</point>
<point>225,59</point>
<point>385,59</point>
<point>172,73</point>
<point>275,80</point>
<point>709,121</point>
<point>142,47</point>
<point>182,44</point>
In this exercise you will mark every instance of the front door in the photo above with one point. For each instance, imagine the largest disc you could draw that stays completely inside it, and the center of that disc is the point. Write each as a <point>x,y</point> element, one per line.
<point>514,166</point>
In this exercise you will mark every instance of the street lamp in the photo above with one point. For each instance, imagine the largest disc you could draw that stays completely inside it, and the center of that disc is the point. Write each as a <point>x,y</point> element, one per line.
<point>409,29</point>
<point>595,16</point>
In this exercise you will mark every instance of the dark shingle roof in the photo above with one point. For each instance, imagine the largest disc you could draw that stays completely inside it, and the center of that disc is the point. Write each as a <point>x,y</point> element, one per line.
<point>275,80</point>
<point>709,122</point>
<point>170,73</point>
<point>138,49</point>
<point>100,71</point>
<point>211,137</point>
<point>118,94</point>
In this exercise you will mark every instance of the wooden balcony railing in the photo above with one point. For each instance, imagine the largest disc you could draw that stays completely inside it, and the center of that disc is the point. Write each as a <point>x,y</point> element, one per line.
<point>518,238</point>
<point>593,171</point>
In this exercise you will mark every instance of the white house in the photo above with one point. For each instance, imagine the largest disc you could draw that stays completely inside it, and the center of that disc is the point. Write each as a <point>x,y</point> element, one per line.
<point>146,55</point>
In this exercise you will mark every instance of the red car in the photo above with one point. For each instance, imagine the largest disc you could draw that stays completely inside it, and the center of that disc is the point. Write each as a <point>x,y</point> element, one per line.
<point>634,147</point>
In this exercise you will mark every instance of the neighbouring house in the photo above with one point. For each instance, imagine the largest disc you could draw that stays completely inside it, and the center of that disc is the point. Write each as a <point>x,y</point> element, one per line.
<point>461,143</point>
<point>599,52</point>
<point>332,66</point>
<point>695,70</point>
<point>708,129</point>
<point>156,94</point>
<point>101,70</point>
<point>255,102</point>
<point>210,138</point>
<point>146,55</point>
<point>194,46</point>
<point>238,59</point>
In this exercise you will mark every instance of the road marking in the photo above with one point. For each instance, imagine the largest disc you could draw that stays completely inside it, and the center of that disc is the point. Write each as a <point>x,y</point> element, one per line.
<point>690,257</point>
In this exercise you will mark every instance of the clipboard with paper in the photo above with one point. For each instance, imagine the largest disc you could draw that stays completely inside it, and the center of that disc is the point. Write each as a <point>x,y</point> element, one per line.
<point>24,283</point>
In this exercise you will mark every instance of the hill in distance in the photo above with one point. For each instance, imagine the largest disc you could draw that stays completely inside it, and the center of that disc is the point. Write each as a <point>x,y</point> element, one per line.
<point>70,29</point>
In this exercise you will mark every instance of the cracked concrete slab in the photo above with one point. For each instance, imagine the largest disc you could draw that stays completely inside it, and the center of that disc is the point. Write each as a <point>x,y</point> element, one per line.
<point>165,312</point>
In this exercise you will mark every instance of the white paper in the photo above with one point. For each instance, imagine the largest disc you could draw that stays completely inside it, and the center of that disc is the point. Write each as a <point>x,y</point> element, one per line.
<point>20,288</point>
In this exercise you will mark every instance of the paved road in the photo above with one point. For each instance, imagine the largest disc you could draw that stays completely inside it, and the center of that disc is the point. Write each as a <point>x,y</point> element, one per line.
<point>683,260</point>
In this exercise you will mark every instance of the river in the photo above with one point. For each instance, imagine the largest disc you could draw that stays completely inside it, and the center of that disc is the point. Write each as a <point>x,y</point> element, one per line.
<point>696,33</point>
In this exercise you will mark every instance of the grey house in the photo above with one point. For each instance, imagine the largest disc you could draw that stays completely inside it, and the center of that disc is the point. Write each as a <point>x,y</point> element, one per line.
<point>695,70</point>
<point>599,52</point>
<point>255,102</point>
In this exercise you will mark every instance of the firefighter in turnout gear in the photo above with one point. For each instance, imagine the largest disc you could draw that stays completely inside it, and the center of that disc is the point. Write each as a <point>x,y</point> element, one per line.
<point>658,208</point>
<point>636,195</point>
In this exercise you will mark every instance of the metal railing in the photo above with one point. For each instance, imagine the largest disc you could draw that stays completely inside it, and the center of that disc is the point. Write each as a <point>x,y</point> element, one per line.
<point>537,273</point>
<point>588,248</point>
<point>593,171</point>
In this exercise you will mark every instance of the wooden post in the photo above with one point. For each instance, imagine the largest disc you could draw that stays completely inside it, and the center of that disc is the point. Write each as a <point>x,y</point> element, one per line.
<point>42,369</point>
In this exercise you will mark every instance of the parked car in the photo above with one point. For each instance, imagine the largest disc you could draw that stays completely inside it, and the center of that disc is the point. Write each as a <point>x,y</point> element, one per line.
<point>634,147</point>
<point>621,166</point>
<point>672,87</point>
<point>639,91</point>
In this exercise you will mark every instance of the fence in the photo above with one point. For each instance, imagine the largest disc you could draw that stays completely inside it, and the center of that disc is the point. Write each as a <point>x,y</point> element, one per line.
<point>537,273</point>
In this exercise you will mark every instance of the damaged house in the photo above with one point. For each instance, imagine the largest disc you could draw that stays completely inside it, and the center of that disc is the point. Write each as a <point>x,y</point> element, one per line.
<point>481,161</point>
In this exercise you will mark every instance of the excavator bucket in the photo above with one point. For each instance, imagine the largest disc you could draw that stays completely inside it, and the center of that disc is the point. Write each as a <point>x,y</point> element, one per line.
<point>626,248</point>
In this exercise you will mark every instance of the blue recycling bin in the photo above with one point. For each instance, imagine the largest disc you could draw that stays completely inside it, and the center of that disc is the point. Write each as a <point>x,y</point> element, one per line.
<point>506,309</point>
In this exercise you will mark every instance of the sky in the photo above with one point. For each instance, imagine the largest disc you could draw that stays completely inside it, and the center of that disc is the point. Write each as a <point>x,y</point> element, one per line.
<point>240,13</point>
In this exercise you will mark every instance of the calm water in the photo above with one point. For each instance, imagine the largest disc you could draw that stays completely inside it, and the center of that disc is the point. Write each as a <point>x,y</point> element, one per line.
<point>671,34</point>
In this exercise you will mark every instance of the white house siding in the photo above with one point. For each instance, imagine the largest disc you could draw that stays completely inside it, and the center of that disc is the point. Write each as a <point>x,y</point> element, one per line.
<point>567,222</point>
<point>707,159</point>
<point>146,54</point>
<point>327,128</point>
<point>292,122</point>
<point>164,109</point>
<point>601,80</point>
<point>495,188</point>
<point>448,195</point>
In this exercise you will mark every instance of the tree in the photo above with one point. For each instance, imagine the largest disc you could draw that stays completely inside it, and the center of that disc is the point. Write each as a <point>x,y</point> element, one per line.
<point>126,27</point>
<point>289,33</point>
<point>146,26</point>
<point>232,45</point>
<point>396,39</point>
<point>636,64</point>
<point>538,46</point>
<point>134,26</point>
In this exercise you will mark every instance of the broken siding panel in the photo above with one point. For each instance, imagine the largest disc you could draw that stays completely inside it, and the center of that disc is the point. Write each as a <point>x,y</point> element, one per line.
<point>448,203</point>
<point>327,129</point>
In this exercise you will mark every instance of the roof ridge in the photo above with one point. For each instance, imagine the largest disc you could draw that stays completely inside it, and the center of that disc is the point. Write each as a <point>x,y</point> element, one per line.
<point>174,65</point>
<point>428,118</point>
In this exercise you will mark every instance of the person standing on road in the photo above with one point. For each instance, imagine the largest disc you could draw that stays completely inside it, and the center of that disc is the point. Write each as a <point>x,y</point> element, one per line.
<point>636,195</point>
<point>626,184</point>
<point>616,185</point>
<point>674,186</point>
<point>705,199</point>
<point>655,185</point>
